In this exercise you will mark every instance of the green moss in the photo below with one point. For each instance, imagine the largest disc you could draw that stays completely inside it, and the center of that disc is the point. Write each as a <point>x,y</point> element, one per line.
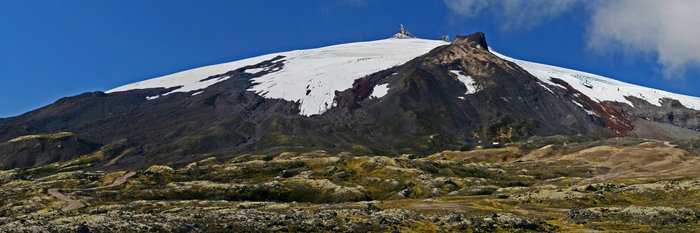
<point>43,136</point>
<point>320,180</point>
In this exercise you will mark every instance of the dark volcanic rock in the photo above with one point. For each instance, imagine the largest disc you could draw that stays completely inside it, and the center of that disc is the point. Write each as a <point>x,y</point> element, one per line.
<point>474,40</point>
<point>671,112</point>
<point>43,149</point>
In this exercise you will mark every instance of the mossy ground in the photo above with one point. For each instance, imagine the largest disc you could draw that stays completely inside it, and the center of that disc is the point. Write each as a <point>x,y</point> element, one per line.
<point>528,187</point>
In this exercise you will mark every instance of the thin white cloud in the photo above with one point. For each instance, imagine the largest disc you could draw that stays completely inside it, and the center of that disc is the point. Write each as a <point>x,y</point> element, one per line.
<point>513,15</point>
<point>666,29</point>
<point>526,14</point>
<point>669,30</point>
<point>466,8</point>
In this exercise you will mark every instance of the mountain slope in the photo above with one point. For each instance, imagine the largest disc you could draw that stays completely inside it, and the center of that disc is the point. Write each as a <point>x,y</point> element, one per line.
<point>638,107</point>
<point>601,88</point>
<point>310,77</point>
<point>389,97</point>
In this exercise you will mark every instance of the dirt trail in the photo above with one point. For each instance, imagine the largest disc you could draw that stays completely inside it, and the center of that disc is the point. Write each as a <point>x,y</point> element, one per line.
<point>669,144</point>
<point>119,181</point>
<point>77,204</point>
<point>70,203</point>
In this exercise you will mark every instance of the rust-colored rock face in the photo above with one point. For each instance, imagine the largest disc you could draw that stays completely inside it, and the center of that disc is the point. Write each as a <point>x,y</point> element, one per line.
<point>614,120</point>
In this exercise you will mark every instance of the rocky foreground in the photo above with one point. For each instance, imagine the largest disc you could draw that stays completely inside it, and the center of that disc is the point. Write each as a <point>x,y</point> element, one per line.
<point>553,184</point>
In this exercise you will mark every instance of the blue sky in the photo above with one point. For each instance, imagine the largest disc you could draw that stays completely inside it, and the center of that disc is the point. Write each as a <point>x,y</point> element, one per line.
<point>51,49</point>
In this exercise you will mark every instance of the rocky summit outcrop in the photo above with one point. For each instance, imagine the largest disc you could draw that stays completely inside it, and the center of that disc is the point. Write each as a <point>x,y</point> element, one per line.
<point>403,33</point>
<point>474,40</point>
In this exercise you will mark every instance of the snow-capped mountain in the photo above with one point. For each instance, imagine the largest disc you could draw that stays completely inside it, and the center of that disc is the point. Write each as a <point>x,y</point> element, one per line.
<point>391,96</point>
<point>312,76</point>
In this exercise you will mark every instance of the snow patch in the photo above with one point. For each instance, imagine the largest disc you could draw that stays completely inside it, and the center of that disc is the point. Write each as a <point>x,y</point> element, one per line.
<point>468,81</point>
<point>545,87</point>
<point>598,87</point>
<point>380,90</point>
<point>584,109</point>
<point>254,70</point>
<point>592,113</point>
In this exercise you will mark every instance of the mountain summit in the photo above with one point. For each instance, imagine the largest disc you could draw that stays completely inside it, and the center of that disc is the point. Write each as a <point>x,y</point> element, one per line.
<point>403,33</point>
<point>386,97</point>
<point>477,40</point>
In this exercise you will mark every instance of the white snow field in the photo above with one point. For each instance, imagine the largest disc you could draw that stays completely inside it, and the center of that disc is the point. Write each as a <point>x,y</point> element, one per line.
<point>312,76</point>
<point>189,80</point>
<point>322,71</point>
<point>326,70</point>
<point>600,88</point>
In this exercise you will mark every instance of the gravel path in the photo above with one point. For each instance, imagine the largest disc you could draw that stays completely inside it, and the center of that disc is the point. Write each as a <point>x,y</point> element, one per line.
<point>77,204</point>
